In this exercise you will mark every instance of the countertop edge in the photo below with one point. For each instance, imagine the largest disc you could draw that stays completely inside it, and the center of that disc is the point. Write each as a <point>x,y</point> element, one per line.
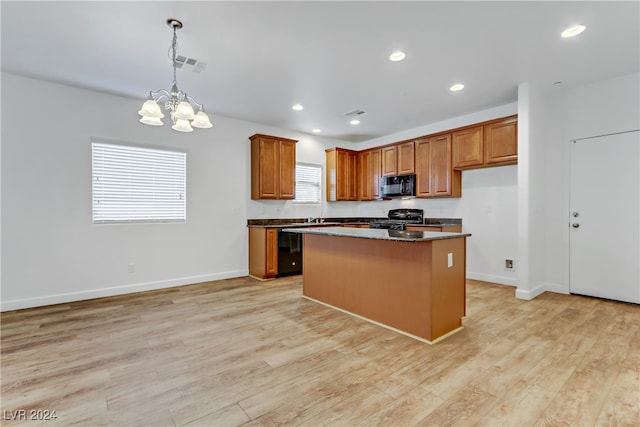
<point>375,234</point>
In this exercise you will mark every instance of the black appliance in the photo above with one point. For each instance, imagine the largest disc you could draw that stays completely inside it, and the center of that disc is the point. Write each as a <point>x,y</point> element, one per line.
<point>289,253</point>
<point>400,186</point>
<point>397,219</point>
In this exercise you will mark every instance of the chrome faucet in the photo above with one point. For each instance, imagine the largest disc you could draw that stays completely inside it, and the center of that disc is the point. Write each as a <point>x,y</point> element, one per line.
<point>316,220</point>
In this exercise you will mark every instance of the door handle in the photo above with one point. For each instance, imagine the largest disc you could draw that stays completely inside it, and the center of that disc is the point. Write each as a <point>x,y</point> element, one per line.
<point>575,225</point>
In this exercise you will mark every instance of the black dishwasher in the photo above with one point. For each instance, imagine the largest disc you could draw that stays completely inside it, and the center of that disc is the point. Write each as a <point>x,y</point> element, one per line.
<point>289,253</point>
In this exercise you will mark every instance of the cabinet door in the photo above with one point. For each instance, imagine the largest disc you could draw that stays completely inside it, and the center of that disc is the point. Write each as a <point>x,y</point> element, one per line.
<point>268,169</point>
<point>365,180</point>
<point>389,161</point>
<point>501,141</point>
<point>376,168</point>
<point>441,166</point>
<point>342,175</point>
<point>434,172</point>
<point>271,261</point>
<point>468,150</point>
<point>287,169</point>
<point>352,176</point>
<point>423,167</point>
<point>405,160</point>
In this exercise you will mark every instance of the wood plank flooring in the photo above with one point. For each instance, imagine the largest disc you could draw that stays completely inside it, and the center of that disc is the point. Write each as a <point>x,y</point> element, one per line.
<point>244,352</point>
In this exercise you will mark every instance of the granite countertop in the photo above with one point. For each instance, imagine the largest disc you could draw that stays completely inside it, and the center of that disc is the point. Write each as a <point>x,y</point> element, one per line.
<point>378,234</point>
<point>297,222</point>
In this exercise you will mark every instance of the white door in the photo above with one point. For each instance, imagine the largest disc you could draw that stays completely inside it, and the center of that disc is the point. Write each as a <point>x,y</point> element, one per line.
<point>605,217</point>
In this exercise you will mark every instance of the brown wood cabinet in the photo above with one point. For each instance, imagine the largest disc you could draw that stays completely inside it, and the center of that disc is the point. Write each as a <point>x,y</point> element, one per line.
<point>406,158</point>
<point>341,174</point>
<point>368,174</point>
<point>435,176</point>
<point>389,161</point>
<point>398,159</point>
<point>437,160</point>
<point>493,143</point>
<point>468,150</point>
<point>501,141</point>
<point>263,252</point>
<point>273,167</point>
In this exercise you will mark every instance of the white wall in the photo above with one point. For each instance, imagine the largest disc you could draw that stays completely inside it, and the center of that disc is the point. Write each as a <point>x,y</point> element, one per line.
<point>51,251</point>
<point>556,117</point>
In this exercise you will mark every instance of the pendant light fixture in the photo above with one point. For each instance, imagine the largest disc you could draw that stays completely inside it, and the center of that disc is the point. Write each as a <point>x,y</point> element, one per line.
<point>179,104</point>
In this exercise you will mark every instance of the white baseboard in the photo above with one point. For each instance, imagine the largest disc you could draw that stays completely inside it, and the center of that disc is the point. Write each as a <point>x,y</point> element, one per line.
<point>503,280</point>
<point>543,287</point>
<point>18,304</point>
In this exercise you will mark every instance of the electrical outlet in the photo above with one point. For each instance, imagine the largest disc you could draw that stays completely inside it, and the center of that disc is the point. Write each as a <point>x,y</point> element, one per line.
<point>508,264</point>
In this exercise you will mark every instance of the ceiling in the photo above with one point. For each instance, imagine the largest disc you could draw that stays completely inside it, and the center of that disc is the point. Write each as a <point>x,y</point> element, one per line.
<point>332,57</point>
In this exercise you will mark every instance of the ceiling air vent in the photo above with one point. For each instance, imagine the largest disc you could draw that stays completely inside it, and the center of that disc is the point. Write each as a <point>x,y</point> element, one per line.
<point>190,64</point>
<point>354,113</point>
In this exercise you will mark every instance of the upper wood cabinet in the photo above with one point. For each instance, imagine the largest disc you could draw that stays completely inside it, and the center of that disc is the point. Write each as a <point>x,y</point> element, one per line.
<point>406,158</point>
<point>493,143</point>
<point>368,174</point>
<point>389,161</point>
<point>435,176</point>
<point>468,150</point>
<point>437,161</point>
<point>273,167</point>
<point>341,174</point>
<point>398,159</point>
<point>501,141</point>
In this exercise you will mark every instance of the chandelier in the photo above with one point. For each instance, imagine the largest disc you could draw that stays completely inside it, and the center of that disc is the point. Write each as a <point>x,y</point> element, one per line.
<point>178,103</point>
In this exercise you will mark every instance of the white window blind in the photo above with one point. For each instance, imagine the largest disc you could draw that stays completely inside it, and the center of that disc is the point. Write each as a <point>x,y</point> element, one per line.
<point>133,184</point>
<point>308,183</point>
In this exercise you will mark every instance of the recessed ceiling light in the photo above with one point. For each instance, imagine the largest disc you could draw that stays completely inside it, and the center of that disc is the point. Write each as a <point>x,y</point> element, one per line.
<point>397,56</point>
<point>316,131</point>
<point>297,107</point>
<point>355,122</point>
<point>573,31</point>
<point>456,87</point>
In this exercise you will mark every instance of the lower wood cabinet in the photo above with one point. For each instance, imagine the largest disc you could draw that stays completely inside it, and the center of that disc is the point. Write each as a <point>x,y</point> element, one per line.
<point>263,252</point>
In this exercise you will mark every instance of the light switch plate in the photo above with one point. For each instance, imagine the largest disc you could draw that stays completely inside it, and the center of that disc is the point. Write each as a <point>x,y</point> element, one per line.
<point>450,259</point>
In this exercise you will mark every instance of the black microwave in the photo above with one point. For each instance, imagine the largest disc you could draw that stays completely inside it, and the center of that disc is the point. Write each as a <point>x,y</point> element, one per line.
<point>401,186</point>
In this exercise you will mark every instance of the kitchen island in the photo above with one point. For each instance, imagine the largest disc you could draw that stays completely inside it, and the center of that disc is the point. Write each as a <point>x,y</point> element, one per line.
<point>410,281</point>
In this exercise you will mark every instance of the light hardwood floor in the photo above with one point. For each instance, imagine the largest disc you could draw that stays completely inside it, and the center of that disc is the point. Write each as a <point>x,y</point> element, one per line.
<point>244,352</point>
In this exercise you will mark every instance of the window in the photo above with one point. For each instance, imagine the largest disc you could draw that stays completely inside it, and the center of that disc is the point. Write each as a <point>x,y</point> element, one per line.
<point>133,184</point>
<point>308,180</point>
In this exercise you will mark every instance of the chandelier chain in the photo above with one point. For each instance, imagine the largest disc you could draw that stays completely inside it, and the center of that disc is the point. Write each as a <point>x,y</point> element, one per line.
<point>173,52</point>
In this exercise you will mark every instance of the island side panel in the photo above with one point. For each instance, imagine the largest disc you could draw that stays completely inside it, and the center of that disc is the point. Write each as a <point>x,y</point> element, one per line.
<point>448,291</point>
<point>385,281</point>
